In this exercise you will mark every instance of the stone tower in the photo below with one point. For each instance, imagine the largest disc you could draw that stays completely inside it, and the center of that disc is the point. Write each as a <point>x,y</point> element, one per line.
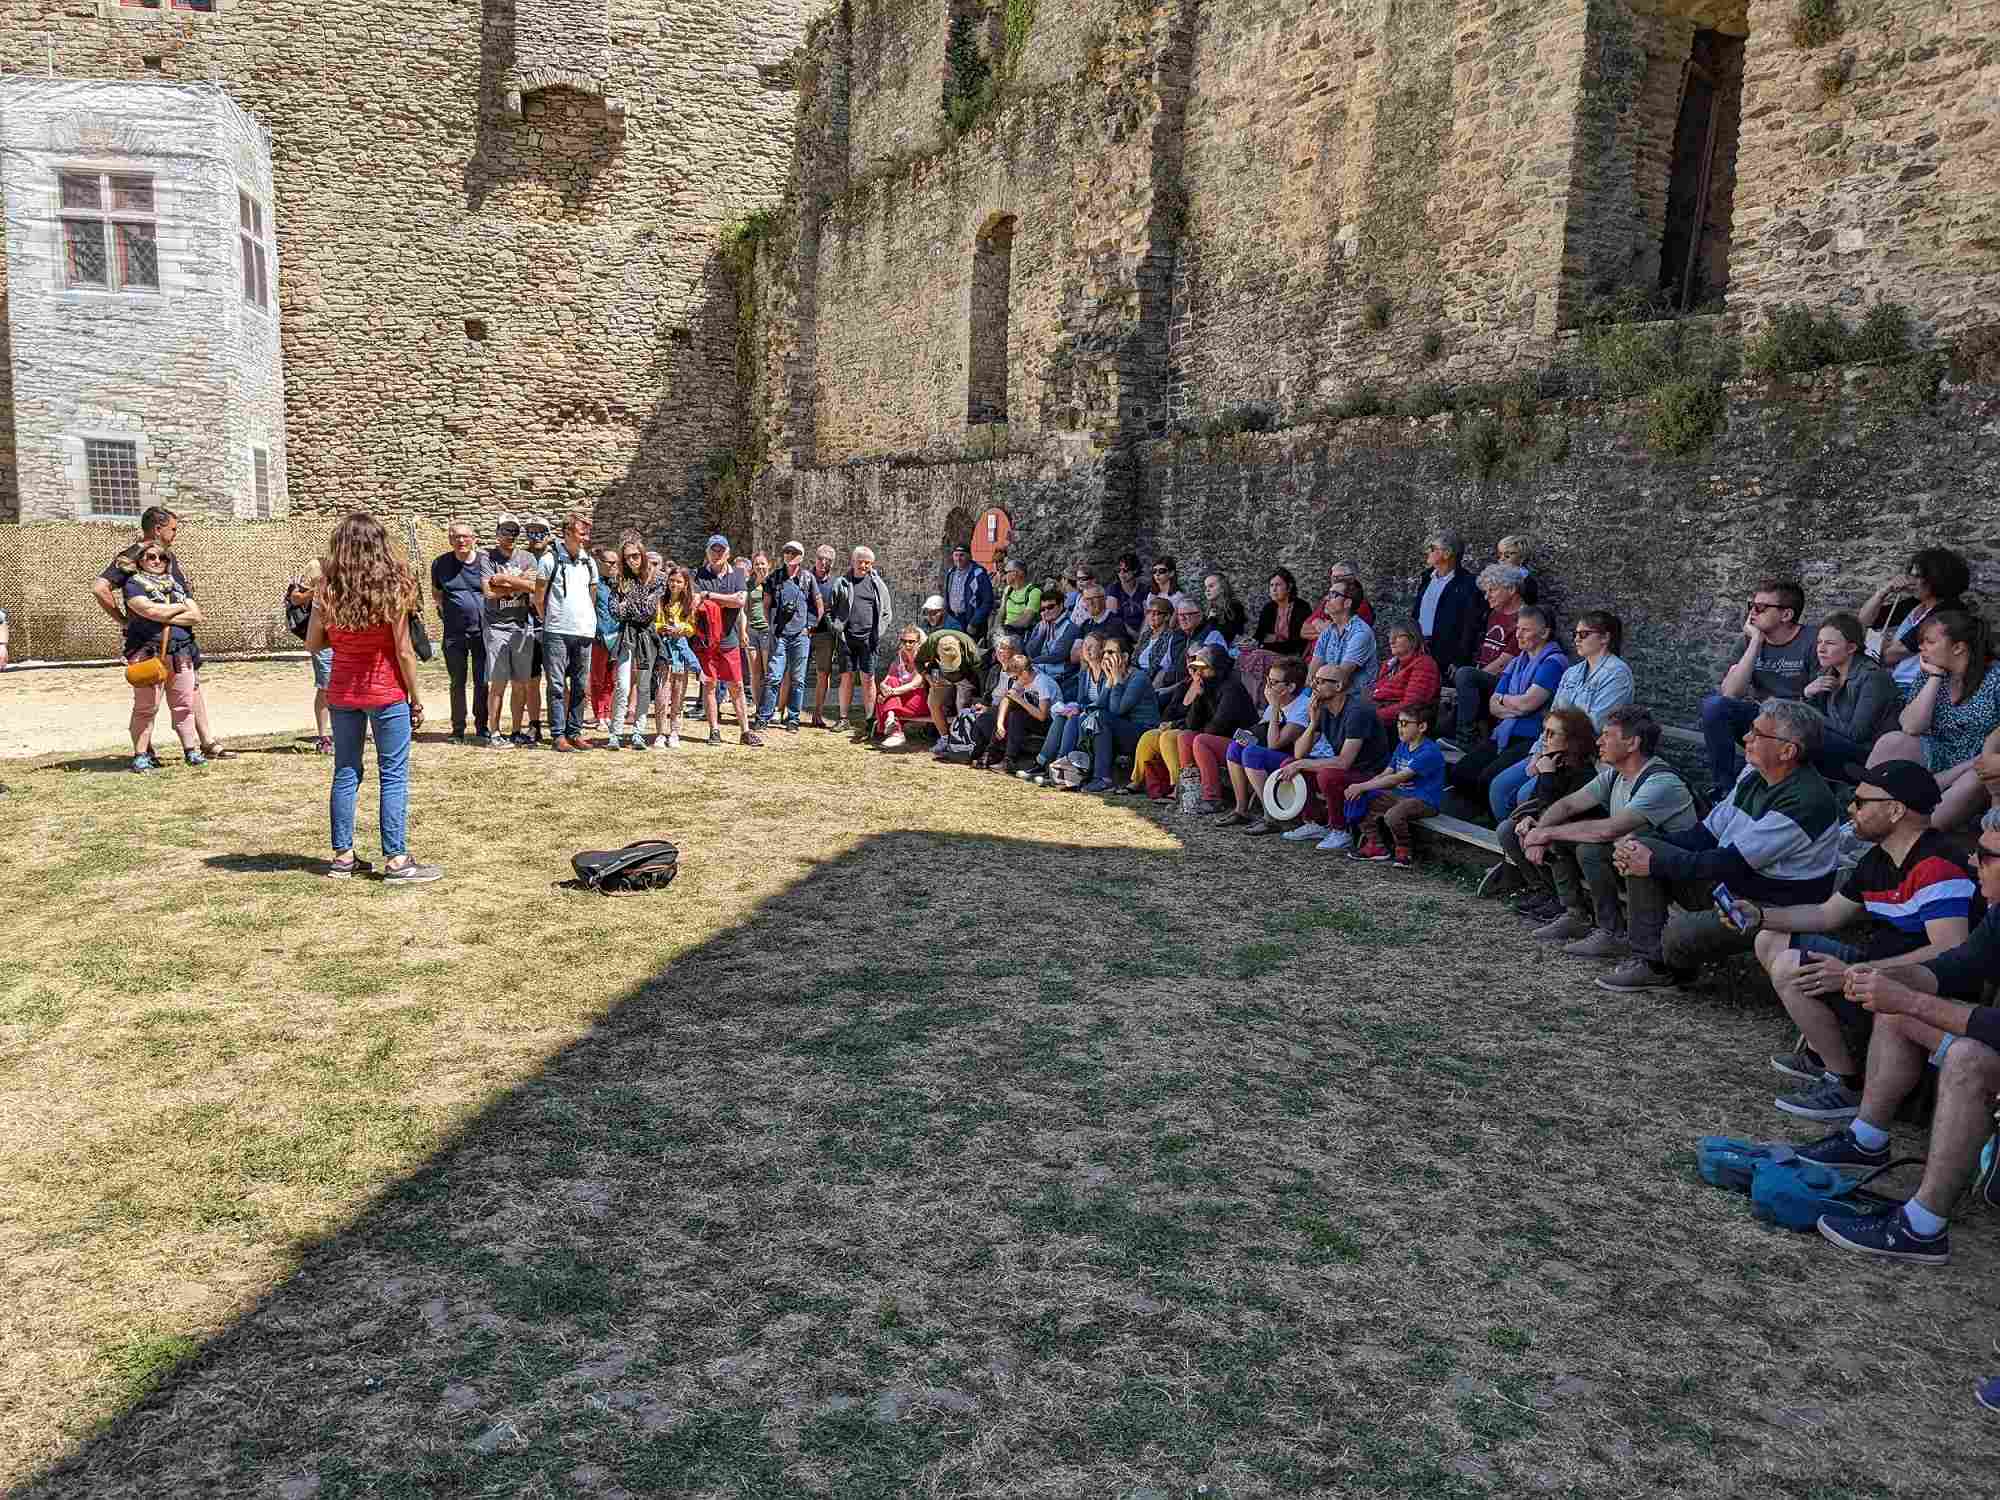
<point>498,222</point>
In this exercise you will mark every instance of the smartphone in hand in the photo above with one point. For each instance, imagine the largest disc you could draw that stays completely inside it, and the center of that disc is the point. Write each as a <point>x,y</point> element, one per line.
<point>1725,908</point>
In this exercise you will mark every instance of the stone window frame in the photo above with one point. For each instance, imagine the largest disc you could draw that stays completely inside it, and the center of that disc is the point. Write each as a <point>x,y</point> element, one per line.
<point>253,240</point>
<point>86,492</point>
<point>108,218</point>
<point>261,506</point>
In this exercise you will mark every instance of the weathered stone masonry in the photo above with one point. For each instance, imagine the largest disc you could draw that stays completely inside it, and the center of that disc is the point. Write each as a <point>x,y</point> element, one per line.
<point>1268,203</point>
<point>498,222</point>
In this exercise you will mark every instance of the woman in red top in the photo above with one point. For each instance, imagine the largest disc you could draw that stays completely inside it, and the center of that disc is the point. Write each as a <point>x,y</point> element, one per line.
<point>1410,678</point>
<point>362,609</point>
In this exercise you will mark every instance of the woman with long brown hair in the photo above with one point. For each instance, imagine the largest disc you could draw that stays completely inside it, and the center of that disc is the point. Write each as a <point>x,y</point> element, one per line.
<point>362,609</point>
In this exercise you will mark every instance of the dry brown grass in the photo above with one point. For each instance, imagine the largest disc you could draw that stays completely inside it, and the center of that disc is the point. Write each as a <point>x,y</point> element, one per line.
<point>932,1135</point>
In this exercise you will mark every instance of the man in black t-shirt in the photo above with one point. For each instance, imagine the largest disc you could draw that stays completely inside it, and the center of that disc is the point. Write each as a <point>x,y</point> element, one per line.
<point>457,577</point>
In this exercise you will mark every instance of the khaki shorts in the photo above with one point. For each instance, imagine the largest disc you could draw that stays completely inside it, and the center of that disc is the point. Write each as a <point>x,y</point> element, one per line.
<point>821,657</point>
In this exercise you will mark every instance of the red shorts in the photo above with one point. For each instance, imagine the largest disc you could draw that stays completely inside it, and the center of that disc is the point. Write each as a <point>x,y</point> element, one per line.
<point>720,663</point>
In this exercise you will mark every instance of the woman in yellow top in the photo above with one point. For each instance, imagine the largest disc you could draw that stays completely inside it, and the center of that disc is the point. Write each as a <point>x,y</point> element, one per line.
<point>675,623</point>
<point>1021,602</point>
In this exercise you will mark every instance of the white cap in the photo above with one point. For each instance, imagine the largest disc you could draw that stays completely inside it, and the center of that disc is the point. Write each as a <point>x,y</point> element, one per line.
<point>798,547</point>
<point>936,601</point>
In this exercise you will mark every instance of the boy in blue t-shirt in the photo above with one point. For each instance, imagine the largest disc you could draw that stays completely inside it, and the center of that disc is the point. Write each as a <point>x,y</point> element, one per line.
<point>1409,788</point>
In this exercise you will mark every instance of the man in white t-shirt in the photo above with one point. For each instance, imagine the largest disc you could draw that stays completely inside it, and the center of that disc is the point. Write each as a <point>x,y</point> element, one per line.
<point>567,597</point>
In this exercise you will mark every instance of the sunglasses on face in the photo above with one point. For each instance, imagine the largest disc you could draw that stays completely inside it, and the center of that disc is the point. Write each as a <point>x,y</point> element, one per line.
<point>1758,606</point>
<point>536,533</point>
<point>1985,855</point>
<point>1581,631</point>
<point>152,557</point>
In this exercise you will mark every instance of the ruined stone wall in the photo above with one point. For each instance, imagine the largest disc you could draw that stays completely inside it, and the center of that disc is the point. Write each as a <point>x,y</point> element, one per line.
<point>166,354</point>
<point>1886,186</point>
<point>485,310</point>
<point>1086,168</point>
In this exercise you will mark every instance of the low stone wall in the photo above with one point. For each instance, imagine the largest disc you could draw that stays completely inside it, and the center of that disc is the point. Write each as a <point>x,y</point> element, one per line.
<point>1835,482</point>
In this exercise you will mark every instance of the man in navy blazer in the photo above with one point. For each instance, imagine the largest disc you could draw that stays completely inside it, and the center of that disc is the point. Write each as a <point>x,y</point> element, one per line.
<point>968,594</point>
<point>1450,609</point>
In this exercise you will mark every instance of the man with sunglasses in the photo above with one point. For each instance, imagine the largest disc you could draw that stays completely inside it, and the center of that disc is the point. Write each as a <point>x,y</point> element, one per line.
<point>1925,1015</point>
<point>508,581</point>
<point>1777,662</point>
<point>1774,840</point>
<point>1913,893</point>
<point>1049,644</point>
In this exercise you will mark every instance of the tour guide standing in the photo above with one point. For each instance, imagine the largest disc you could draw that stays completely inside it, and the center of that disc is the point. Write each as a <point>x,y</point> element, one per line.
<point>362,610</point>
<point>568,601</point>
<point>456,579</point>
<point>729,588</point>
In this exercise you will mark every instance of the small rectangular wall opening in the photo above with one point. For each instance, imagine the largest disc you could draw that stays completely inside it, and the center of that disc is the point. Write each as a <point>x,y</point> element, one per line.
<point>1701,176</point>
<point>986,367</point>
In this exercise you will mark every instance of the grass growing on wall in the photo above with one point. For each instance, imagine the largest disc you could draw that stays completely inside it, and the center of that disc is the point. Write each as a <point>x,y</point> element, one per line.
<point>976,84</point>
<point>1817,22</point>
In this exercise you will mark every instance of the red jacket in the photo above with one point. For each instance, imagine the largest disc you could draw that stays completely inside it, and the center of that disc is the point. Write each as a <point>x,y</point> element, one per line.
<point>1412,682</point>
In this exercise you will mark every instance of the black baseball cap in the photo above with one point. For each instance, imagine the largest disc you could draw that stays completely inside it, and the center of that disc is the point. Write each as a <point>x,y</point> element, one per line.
<point>1905,780</point>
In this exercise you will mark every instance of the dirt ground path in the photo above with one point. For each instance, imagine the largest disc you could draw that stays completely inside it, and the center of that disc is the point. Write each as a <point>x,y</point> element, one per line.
<point>62,710</point>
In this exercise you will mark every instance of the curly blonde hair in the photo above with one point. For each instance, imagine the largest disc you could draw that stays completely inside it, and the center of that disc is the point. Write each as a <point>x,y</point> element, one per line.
<point>368,583</point>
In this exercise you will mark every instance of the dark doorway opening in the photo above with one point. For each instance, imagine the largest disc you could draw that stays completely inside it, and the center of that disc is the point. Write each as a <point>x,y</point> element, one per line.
<point>1701,182</point>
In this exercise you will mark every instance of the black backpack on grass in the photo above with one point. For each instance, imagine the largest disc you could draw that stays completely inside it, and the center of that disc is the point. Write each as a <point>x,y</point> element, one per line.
<point>648,865</point>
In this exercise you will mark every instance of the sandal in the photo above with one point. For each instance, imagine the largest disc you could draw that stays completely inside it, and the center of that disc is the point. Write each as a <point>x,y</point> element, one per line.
<point>216,752</point>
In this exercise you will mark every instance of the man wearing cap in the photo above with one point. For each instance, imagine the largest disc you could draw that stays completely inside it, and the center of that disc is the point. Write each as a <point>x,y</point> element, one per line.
<point>792,606</point>
<point>950,661</point>
<point>862,608</point>
<point>1926,1015</point>
<point>820,664</point>
<point>568,602</point>
<point>729,587</point>
<point>968,593</point>
<point>508,582</point>
<point>457,588</point>
<point>1914,891</point>
<point>933,614</point>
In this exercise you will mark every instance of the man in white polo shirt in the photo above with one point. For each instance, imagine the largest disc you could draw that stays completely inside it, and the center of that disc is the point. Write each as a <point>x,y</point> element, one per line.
<point>569,628</point>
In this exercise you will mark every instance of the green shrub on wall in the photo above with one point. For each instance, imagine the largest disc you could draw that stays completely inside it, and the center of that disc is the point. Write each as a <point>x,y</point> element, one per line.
<point>1796,339</point>
<point>1682,415</point>
<point>976,84</point>
<point>1817,22</point>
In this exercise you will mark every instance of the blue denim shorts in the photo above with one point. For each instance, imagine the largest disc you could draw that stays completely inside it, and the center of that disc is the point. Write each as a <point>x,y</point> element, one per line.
<point>676,655</point>
<point>322,661</point>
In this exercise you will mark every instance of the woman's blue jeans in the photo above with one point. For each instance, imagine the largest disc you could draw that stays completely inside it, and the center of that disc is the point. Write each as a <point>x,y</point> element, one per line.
<point>1509,787</point>
<point>391,728</point>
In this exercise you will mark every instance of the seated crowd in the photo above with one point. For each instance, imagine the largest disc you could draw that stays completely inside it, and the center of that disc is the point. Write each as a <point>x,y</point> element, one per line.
<point>1847,770</point>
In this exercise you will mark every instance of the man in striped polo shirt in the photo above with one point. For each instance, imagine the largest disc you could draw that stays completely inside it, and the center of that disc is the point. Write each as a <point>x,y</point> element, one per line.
<point>1914,896</point>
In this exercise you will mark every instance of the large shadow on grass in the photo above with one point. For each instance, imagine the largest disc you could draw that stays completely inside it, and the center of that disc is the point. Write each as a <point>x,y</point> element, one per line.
<point>975,1165</point>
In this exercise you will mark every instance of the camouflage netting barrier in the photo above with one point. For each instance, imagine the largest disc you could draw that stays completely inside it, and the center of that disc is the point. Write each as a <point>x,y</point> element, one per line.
<point>238,571</point>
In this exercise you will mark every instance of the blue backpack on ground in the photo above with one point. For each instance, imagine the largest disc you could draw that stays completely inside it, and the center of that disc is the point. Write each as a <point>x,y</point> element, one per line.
<point>1793,1194</point>
<point>1727,1163</point>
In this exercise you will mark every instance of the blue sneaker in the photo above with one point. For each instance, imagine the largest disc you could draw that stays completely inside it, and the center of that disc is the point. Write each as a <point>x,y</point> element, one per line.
<point>1887,1235</point>
<point>1989,1174</point>
<point>1826,1099</point>
<point>1841,1150</point>
<point>1987,1393</point>
<point>1100,785</point>
<point>144,763</point>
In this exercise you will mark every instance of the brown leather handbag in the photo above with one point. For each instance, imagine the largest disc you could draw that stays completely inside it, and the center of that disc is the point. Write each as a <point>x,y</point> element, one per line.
<point>154,671</point>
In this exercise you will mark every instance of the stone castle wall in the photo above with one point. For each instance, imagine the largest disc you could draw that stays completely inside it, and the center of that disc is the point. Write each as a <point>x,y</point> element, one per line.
<point>487,307</point>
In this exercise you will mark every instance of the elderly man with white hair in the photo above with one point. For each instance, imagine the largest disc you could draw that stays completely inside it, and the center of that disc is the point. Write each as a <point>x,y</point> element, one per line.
<point>862,610</point>
<point>1773,841</point>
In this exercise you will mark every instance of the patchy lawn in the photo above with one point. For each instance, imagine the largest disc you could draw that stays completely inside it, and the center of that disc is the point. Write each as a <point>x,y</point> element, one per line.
<point>933,1134</point>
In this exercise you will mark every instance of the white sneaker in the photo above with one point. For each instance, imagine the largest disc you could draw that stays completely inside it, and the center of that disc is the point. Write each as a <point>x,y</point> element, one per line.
<point>1304,831</point>
<point>1340,838</point>
<point>659,742</point>
<point>674,740</point>
<point>895,741</point>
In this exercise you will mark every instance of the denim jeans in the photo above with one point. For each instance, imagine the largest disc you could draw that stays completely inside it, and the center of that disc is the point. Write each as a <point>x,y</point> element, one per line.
<point>1724,722</point>
<point>1474,687</point>
<point>1064,732</point>
<point>786,662</point>
<point>1115,737</point>
<point>1508,788</point>
<point>567,660</point>
<point>391,728</point>
<point>461,652</point>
